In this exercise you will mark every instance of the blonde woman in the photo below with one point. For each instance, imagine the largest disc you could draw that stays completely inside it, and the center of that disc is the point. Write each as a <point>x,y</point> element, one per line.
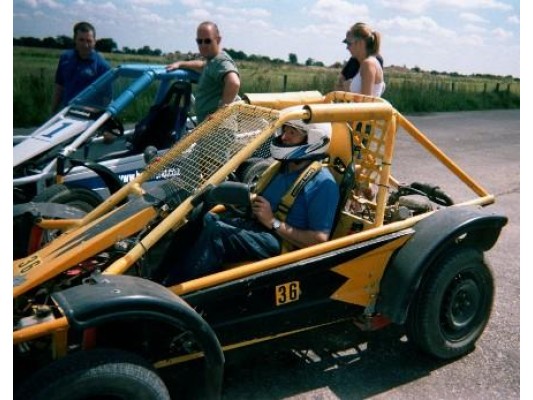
<point>363,44</point>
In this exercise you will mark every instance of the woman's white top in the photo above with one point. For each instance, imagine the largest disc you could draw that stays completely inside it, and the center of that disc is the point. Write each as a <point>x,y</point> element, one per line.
<point>378,88</point>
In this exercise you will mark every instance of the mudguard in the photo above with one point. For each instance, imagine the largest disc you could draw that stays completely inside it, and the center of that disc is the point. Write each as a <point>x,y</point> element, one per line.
<point>112,297</point>
<point>467,225</point>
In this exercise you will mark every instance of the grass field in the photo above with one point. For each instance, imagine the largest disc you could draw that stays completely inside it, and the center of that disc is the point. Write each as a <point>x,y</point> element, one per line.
<point>408,91</point>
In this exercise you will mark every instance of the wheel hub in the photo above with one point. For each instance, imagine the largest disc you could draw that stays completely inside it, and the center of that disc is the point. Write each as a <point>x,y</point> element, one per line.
<point>463,299</point>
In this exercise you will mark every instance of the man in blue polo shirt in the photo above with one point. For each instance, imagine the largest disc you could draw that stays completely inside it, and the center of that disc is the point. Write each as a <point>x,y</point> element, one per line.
<point>78,67</point>
<point>309,221</point>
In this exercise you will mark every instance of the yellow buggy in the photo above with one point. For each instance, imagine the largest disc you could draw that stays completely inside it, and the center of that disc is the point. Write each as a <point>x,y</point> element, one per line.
<point>92,319</point>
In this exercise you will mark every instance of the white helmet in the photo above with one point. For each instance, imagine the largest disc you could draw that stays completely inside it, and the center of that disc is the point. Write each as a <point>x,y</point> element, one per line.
<point>315,147</point>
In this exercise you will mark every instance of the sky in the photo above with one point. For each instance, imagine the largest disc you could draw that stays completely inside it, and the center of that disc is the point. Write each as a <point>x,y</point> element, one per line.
<point>464,36</point>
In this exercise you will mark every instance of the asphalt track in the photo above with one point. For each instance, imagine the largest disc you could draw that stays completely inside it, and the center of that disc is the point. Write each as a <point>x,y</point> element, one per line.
<point>341,362</point>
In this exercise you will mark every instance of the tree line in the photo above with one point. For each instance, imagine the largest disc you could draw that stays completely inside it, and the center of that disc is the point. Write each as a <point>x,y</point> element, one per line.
<point>105,45</point>
<point>108,45</point>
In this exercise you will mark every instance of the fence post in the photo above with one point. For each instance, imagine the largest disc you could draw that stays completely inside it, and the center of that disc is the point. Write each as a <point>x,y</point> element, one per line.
<point>285,83</point>
<point>497,87</point>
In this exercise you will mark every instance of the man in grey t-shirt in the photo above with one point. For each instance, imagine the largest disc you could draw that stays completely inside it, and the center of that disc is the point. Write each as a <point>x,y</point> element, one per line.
<point>219,81</point>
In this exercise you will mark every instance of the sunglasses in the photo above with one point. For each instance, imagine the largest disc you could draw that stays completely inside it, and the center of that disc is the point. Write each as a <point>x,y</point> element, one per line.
<point>203,41</point>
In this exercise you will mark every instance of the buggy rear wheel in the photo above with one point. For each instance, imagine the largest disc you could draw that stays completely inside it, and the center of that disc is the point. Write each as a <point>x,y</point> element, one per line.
<point>452,306</point>
<point>95,374</point>
<point>81,198</point>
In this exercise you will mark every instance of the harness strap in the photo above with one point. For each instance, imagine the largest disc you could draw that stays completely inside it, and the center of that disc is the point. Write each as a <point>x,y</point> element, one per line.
<point>288,199</point>
<point>266,177</point>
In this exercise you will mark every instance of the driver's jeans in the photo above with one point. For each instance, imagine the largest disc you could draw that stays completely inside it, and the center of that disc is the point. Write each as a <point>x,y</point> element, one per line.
<point>221,240</point>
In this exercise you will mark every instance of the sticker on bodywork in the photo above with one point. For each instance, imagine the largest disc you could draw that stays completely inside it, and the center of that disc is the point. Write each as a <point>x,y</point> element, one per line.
<point>27,264</point>
<point>287,293</point>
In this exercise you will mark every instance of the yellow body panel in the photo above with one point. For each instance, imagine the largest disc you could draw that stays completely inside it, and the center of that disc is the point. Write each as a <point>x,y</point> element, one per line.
<point>364,274</point>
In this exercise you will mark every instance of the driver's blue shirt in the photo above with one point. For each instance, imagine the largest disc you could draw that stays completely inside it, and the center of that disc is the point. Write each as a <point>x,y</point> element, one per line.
<point>315,206</point>
<point>225,239</point>
<point>75,73</point>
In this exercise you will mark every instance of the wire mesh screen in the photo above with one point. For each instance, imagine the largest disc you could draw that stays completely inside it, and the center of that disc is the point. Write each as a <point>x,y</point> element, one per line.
<point>195,158</point>
<point>369,142</point>
<point>368,138</point>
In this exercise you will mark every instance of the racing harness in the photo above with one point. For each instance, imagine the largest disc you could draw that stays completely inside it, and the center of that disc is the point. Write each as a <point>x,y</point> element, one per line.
<point>287,200</point>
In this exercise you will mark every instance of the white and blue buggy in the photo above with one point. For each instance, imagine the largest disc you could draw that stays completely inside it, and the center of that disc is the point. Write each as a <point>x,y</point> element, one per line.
<point>69,158</point>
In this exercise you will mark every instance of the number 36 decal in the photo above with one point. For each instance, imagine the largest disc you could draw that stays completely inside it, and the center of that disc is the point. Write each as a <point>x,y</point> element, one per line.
<point>287,293</point>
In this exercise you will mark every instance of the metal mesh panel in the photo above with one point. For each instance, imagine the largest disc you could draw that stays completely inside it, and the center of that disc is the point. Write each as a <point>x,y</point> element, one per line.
<point>209,147</point>
<point>369,140</point>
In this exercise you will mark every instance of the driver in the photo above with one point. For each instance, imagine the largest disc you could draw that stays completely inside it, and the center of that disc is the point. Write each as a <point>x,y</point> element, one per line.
<point>307,221</point>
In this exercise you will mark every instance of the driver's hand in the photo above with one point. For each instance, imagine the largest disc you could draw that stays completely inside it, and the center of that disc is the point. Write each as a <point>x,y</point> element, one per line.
<point>262,210</point>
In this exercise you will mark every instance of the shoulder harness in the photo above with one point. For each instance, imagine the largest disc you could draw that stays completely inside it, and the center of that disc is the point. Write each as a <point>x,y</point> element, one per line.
<point>289,197</point>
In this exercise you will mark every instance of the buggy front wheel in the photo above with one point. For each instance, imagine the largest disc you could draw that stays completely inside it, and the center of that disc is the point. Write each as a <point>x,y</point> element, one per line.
<point>453,305</point>
<point>95,374</point>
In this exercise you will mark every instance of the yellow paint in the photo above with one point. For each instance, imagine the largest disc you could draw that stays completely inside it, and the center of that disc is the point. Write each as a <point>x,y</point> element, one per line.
<point>364,274</point>
<point>61,255</point>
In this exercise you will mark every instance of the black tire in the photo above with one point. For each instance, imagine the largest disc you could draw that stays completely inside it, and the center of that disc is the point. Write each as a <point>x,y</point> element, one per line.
<point>245,165</point>
<point>452,306</point>
<point>81,198</point>
<point>253,171</point>
<point>95,374</point>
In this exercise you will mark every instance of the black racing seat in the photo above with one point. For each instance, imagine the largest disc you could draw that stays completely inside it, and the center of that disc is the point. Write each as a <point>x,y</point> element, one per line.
<point>164,124</point>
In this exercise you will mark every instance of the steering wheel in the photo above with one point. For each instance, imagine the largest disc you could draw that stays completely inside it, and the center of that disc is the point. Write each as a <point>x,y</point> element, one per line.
<point>235,196</point>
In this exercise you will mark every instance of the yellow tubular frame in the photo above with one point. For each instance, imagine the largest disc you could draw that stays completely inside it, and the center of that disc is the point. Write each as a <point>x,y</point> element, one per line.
<point>329,108</point>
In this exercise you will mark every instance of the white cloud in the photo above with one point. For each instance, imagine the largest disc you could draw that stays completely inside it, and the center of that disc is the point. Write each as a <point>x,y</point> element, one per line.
<point>411,6</point>
<point>151,18</point>
<point>420,6</point>
<point>514,19</point>
<point>426,25</point>
<point>470,17</point>
<point>199,14</point>
<point>334,10</point>
<point>475,4</point>
<point>501,34</point>
<point>259,23</point>
<point>38,3</point>
<point>246,12</point>
<point>195,3</point>
<point>417,40</point>
<point>474,40</point>
<point>47,3</point>
<point>31,3</point>
<point>443,35</point>
<point>150,2</point>
<point>106,7</point>
<point>469,28</point>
